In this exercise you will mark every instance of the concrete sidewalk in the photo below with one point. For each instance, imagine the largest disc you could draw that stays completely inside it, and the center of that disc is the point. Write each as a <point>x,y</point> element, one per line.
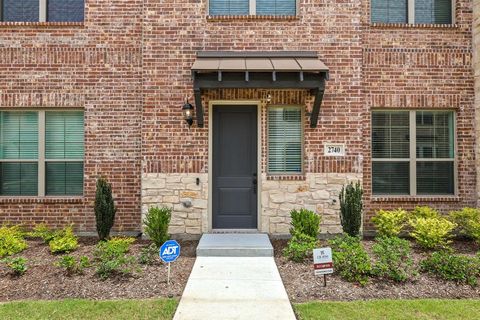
<point>234,288</point>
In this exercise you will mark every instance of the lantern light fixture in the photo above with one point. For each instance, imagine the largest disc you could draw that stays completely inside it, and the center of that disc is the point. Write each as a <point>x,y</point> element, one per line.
<point>187,111</point>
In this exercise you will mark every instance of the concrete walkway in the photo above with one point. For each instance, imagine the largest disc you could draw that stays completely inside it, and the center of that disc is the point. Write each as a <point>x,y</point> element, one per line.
<point>222,287</point>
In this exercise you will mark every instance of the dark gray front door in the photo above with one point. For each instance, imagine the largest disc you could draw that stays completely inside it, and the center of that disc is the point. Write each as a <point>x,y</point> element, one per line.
<point>234,167</point>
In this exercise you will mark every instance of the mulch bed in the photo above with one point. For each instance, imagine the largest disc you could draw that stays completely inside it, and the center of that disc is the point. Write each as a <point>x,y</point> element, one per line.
<point>302,285</point>
<point>44,281</point>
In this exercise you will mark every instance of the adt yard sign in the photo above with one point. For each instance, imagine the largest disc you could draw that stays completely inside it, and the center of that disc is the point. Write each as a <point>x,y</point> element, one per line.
<point>170,251</point>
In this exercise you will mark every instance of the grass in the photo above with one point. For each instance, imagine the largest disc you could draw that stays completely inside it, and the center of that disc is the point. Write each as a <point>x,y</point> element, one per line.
<point>87,309</point>
<point>390,309</point>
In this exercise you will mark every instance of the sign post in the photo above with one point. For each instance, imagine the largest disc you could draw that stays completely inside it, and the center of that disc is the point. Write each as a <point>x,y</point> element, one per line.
<point>323,263</point>
<point>169,252</point>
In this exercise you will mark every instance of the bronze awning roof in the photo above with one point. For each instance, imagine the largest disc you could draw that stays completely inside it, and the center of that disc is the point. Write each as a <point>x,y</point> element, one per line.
<point>266,70</point>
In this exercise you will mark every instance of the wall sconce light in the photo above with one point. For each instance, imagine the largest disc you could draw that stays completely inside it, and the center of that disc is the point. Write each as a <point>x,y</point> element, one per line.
<point>187,111</point>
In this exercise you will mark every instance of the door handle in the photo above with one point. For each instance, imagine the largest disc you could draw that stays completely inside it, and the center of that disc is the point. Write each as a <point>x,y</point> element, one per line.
<point>254,181</point>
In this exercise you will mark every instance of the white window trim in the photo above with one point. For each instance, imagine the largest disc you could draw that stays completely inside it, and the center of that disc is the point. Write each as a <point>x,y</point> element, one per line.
<point>411,12</point>
<point>252,7</point>
<point>413,156</point>
<point>41,160</point>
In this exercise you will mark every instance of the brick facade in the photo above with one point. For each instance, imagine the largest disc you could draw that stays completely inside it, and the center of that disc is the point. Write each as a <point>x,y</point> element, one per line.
<point>129,66</point>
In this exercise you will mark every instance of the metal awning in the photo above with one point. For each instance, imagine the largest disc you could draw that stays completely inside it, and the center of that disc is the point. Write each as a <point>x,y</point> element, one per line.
<point>261,70</point>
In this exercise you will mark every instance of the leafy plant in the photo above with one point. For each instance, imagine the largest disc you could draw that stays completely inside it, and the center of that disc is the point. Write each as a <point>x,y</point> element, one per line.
<point>111,259</point>
<point>73,266</point>
<point>18,266</point>
<point>156,224</point>
<point>351,207</point>
<point>104,208</point>
<point>305,222</point>
<point>44,232</point>
<point>424,212</point>
<point>432,232</point>
<point>350,259</point>
<point>448,266</point>
<point>148,255</point>
<point>11,241</point>
<point>393,259</point>
<point>468,222</point>
<point>64,241</point>
<point>390,223</point>
<point>300,247</point>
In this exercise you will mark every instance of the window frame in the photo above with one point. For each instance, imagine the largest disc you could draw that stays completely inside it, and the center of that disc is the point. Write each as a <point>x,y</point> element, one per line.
<point>302,145</point>
<point>413,160</point>
<point>42,12</point>
<point>411,14</point>
<point>42,160</point>
<point>252,8</point>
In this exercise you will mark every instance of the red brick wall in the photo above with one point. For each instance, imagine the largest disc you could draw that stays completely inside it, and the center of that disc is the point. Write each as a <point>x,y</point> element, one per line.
<point>95,66</point>
<point>105,64</point>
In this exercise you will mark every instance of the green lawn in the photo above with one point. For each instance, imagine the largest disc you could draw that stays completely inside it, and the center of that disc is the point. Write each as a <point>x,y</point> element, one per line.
<point>390,309</point>
<point>87,309</point>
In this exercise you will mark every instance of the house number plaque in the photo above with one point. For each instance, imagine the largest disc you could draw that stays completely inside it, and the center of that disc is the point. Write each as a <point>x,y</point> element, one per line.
<point>335,149</point>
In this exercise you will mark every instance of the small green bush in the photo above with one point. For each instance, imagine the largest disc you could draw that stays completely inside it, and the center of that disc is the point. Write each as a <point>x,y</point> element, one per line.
<point>148,255</point>
<point>73,266</point>
<point>350,259</point>
<point>451,267</point>
<point>424,212</point>
<point>17,266</point>
<point>64,241</point>
<point>156,224</point>
<point>351,208</point>
<point>468,222</point>
<point>390,223</point>
<point>393,259</point>
<point>300,247</point>
<point>305,222</point>
<point>105,209</point>
<point>430,233</point>
<point>11,241</point>
<point>111,259</point>
<point>43,232</point>
<point>305,225</point>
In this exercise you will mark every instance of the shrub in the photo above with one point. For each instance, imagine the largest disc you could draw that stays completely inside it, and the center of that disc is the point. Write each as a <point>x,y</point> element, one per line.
<point>43,232</point>
<point>305,222</point>
<point>447,266</point>
<point>304,231</point>
<point>111,258</point>
<point>300,247</point>
<point>393,259</point>
<point>17,266</point>
<point>468,222</point>
<point>156,224</point>
<point>73,266</point>
<point>351,207</point>
<point>64,241</point>
<point>148,255</point>
<point>11,241</point>
<point>104,208</point>
<point>390,223</point>
<point>424,212</point>
<point>432,232</point>
<point>350,259</point>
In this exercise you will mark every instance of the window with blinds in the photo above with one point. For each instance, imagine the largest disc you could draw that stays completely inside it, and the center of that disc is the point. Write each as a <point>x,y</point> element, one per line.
<point>259,7</point>
<point>433,158</point>
<point>276,7</point>
<point>26,156</point>
<point>285,140</point>
<point>42,10</point>
<point>433,11</point>
<point>65,10</point>
<point>389,11</point>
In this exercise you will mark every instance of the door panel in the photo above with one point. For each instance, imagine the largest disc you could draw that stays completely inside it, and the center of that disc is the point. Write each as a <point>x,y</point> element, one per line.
<point>234,167</point>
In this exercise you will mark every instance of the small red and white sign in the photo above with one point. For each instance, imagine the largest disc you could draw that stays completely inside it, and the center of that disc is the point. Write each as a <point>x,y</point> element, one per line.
<point>322,261</point>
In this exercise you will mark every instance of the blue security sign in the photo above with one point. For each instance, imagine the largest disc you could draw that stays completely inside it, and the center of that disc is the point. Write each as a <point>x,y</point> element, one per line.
<point>170,251</point>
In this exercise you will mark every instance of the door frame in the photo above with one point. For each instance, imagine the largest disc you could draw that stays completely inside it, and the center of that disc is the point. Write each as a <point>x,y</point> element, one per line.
<point>239,103</point>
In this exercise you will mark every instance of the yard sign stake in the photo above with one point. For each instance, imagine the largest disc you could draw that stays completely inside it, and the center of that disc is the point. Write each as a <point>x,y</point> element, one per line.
<point>169,252</point>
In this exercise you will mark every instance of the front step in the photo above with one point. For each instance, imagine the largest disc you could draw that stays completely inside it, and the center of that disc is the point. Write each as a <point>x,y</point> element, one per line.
<point>234,245</point>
